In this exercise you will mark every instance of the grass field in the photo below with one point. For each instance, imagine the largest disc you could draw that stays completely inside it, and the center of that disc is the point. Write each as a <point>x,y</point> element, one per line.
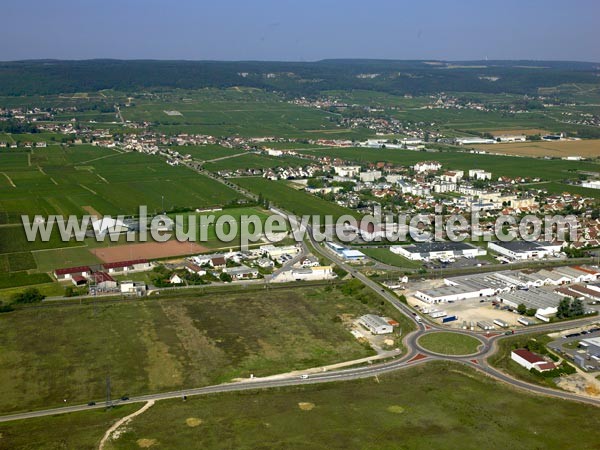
<point>182,340</point>
<point>437,405</point>
<point>449,343</point>
<point>589,148</point>
<point>387,257</point>
<point>279,193</point>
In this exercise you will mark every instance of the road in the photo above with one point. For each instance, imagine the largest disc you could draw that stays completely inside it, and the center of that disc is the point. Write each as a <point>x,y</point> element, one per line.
<point>414,356</point>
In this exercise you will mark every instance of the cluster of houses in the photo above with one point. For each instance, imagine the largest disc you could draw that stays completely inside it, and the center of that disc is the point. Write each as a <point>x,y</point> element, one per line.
<point>100,279</point>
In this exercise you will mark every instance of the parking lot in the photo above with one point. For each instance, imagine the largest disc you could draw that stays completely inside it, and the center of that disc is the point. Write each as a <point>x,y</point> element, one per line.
<point>567,343</point>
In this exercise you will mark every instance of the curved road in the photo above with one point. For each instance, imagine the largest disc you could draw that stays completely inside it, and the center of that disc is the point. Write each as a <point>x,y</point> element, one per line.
<point>414,356</point>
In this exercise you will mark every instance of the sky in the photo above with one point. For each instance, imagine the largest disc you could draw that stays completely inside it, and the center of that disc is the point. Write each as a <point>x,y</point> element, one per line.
<point>305,30</point>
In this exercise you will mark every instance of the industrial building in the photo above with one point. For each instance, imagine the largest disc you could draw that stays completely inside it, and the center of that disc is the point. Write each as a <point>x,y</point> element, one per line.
<point>544,302</point>
<point>525,249</point>
<point>375,324</point>
<point>437,250</point>
<point>511,284</point>
<point>346,253</point>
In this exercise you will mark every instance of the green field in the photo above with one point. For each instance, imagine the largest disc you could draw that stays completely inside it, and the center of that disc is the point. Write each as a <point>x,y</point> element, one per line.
<point>253,161</point>
<point>437,405</point>
<point>509,166</point>
<point>449,343</point>
<point>234,111</point>
<point>179,341</point>
<point>279,193</point>
<point>387,257</point>
<point>63,180</point>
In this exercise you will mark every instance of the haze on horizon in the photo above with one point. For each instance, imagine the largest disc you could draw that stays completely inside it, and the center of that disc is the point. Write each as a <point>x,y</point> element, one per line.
<point>300,31</point>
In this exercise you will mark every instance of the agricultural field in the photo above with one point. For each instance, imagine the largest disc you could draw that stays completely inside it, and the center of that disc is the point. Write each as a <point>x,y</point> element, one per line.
<point>589,148</point>
<point>254,161</point>
<point>208,152</point>
<point>234,111</point>
<point>178,341</point>
<point>435,405</point>
<point>64,181</point>
<point>279,193</point>
<point>510,166</point>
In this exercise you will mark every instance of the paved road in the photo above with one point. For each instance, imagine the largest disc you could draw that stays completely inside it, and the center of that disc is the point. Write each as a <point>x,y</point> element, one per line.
<point>414,356</point>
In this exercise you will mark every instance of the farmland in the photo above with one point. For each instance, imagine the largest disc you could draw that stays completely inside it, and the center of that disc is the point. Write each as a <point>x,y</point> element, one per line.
<point>178,341</point>
<point>300,203</point>
<point>437,405</point>
<point>253,161</point>
<point>234,111</point>
<point>509,166</point>
<point>585,148</point>
<point>59,180</point>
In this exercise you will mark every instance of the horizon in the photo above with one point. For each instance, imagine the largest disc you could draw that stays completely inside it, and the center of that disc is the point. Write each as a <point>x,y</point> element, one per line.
<point>312,31</point>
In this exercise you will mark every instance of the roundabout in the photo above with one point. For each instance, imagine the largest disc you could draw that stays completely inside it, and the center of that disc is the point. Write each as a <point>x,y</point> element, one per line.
<point>450,343</point>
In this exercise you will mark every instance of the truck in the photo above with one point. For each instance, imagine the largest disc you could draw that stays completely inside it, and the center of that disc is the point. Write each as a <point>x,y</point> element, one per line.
<point>449,319</point>
<point>437,314</point>
<point>418,319</point>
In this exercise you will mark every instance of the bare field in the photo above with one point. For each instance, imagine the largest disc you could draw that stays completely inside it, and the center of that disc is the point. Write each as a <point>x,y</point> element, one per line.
<point>147,250</point>
<point>589,148</point>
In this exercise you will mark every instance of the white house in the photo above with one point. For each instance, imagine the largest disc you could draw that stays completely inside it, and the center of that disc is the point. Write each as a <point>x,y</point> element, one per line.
<point>175,279</point>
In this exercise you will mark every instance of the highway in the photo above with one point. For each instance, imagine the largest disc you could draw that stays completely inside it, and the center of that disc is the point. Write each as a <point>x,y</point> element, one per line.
<point>415,355</point>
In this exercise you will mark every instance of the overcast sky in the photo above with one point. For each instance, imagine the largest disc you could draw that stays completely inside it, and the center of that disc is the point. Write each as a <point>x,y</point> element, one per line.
<point>300,30</point>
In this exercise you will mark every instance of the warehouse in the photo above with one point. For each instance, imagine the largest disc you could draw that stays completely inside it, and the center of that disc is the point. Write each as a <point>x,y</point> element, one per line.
<point>525,249</point>
<point>346,253</point>
<point>437,250</point>
<point>530,360</point>
<point>136,265</point>
<point>375,324</point>
<point>544,302</point>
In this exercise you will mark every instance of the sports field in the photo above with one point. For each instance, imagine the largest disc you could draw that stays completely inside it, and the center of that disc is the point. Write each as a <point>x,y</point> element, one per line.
<point>174,341</point>
<point>436,405</point>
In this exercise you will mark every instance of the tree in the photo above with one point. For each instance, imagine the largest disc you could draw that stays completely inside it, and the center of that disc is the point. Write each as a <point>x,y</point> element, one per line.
<point>576,308</point>
<point>521,309</point>
<point>563,308</point>
<point>30,295</point>
<point>530,312</point>
<point>225,277</point>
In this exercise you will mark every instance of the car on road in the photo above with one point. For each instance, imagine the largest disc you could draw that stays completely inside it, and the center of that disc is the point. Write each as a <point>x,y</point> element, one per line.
<point>124,398</point>
<point>304,377</point>
<point>92,404</point>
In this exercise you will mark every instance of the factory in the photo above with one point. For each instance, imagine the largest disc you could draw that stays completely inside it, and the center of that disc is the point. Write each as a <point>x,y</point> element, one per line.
<point>437,250</point>
<point>521,250</point>
<point>507,282</point>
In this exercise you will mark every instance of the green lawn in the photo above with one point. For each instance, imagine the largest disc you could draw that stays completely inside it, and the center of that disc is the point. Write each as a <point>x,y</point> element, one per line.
<point>437,405</point>
<point>176,341</point>
<point>449,343</point>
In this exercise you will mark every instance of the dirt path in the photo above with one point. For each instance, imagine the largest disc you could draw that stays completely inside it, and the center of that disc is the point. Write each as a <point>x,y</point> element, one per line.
<point>121,422</point>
